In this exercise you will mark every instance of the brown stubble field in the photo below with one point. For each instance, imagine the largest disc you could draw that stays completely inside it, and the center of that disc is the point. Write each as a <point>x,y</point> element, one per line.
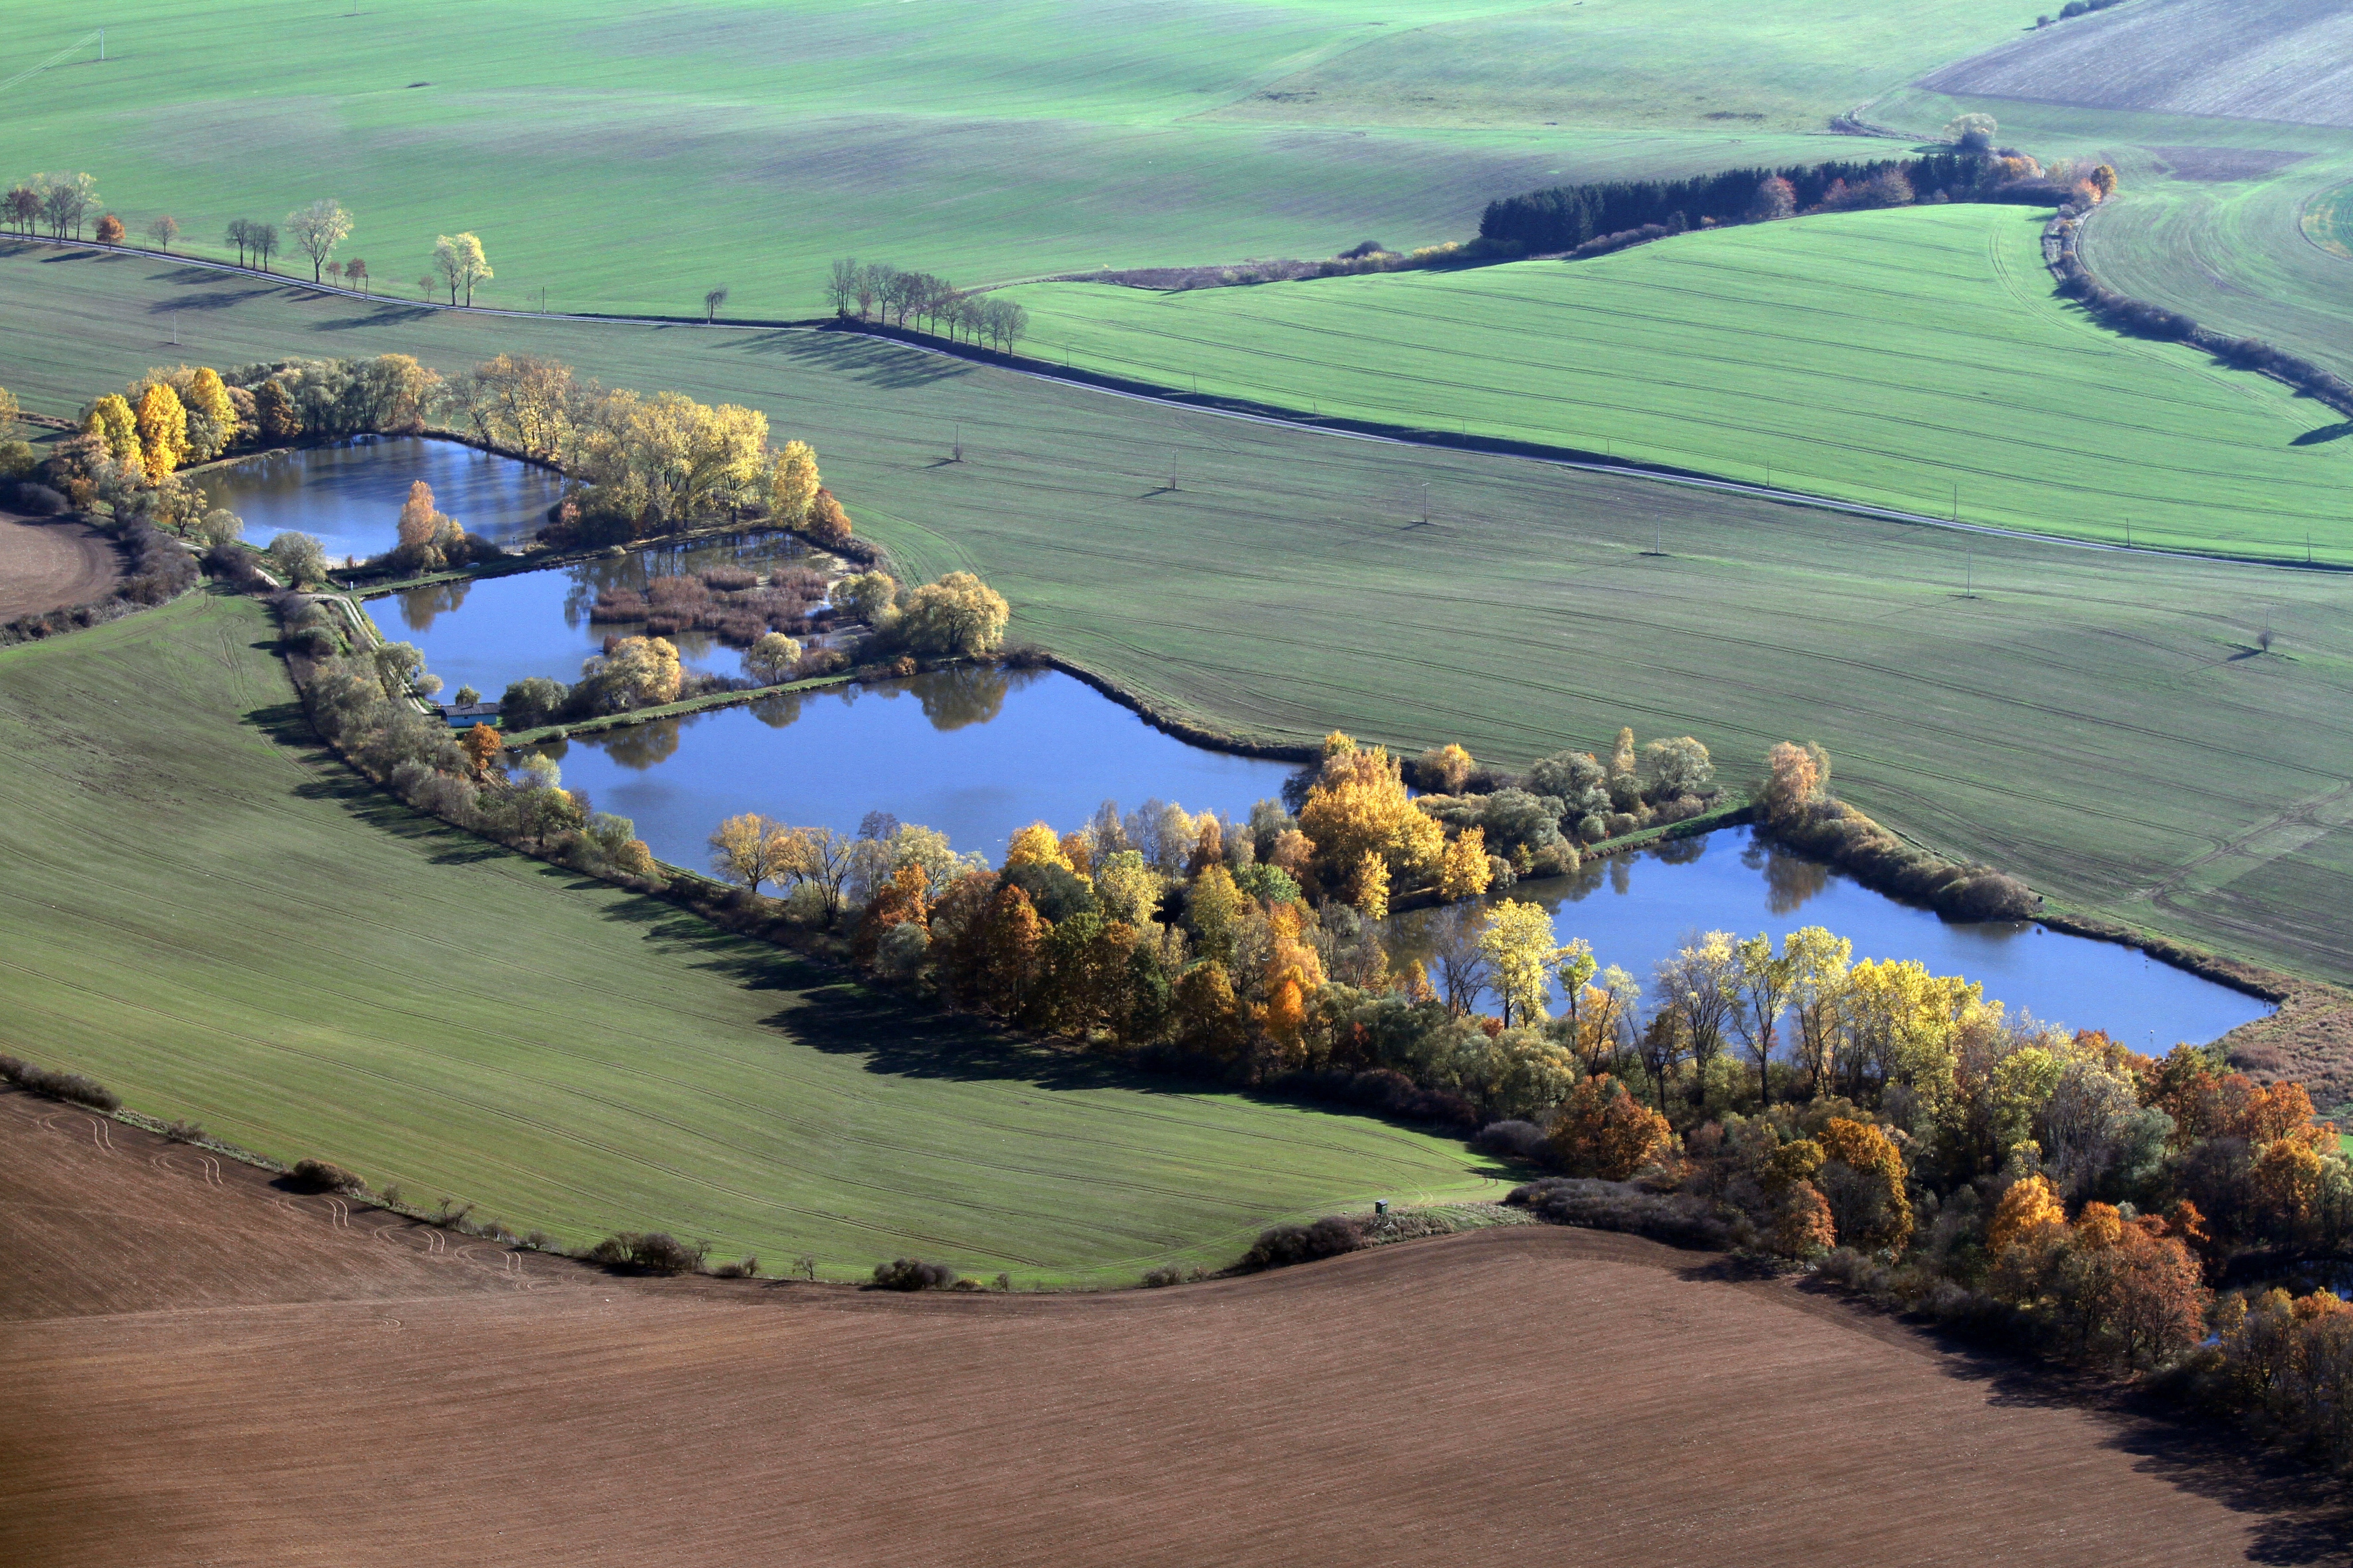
<point>204,1369</point>
<point>48,564</point>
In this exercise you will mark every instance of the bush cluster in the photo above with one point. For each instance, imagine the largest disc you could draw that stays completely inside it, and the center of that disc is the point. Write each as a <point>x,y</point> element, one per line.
<point>913,1274</point>
<point>1280,1245</point>
<point>649,1252</point>
<point>57,1084</point>
<point>320,1176</point>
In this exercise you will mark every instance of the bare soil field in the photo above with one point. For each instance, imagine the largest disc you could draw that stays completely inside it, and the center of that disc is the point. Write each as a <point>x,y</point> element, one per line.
<point>221,1373</point>
<point>48,564</point>
<point>2247,59</point>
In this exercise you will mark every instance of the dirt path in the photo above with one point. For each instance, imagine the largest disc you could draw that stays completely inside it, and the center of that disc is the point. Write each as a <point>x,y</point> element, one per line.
<point>223,1373</point>
<point>48,564</point>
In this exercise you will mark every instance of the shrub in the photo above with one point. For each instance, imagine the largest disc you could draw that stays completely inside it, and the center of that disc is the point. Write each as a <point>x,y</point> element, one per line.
<point>30,500</point>
<point>1679,1219</point>
<point>185,1131</point>
<point>913,1274</point>
<point>1172,1274</point>
<point>319,1176</point>
<point>69,1086</point>
<point>1280,1245</point>
<point>649,1252</point>
<point>741,1269</point>
<point>1515,1141</point>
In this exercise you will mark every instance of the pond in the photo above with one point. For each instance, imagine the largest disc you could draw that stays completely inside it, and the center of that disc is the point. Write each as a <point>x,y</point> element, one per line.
<point>975,754</point>
<point>1638,909</point>
<point>979,753</point>
<point>536,623</point>
<point>348,495</point>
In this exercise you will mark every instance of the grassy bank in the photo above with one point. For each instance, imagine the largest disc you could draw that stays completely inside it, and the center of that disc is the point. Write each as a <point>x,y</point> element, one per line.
<point>2101,723</point>
<point>214,919</point>
<point>1912,359</point>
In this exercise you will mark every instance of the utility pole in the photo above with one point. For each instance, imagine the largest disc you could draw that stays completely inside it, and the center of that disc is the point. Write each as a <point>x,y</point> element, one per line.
<point>1172,468</point>
<point>1425,504</point>
<point>1969,582</point>
<point>542,298</point>
<point>1957,500</point>
<point>958,446</point>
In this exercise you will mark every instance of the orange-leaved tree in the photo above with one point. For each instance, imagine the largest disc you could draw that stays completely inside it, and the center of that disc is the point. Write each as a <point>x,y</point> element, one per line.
<point>1601,1130</point>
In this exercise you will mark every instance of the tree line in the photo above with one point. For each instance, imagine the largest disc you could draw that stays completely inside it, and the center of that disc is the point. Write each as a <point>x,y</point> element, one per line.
<point>1567,217</point>
<point>874,290</point>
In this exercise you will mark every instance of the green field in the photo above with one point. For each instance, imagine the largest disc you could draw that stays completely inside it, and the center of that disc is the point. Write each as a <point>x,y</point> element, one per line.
<point>211,915</point>
<point>1912,359</point>
<point>622,157</point>
<point>2210,218</point>
<point>2094,721</point>
<point>2328,221</point>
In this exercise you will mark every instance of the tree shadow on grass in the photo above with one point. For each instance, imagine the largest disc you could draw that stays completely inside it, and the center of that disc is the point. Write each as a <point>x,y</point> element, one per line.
<point>2325,433</point>
<point>216,300</point>
<point>876,362</point>
<point>389,314</point>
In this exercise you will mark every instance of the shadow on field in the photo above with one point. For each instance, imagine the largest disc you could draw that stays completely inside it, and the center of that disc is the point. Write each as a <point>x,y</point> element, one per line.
<point>215,300</point>
<point>2305,1516</point>
<point>388,314</point>
<point>2325,433</point>
<point>874,360</point>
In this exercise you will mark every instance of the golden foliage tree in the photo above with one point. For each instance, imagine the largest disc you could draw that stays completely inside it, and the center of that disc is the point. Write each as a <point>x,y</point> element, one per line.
<point>959,615</point>
<point>1516,940</point>
<point>1208,1017</point>
<point>1358,806</point>
<point>427,537</point>
<point>481,745</point>
<point>1445,769</point>
<point>642,671</point>
<point>112,421</point>
<point>793,483</point>
<point>1369,887</point>
<point>2029,1207</point>
<point>163,425</point>
<point>212,418</point>
<point>1462,868</point>
<point>750,849</point>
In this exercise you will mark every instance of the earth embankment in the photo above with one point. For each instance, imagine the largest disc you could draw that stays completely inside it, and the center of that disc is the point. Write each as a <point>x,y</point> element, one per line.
<point>229,1374</point>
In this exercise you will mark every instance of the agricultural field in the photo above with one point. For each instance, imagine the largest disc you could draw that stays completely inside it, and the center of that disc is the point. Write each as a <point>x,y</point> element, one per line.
<point>1912,359</point>
<point>2230,125</point>
<point>2255,60</point>
<point>216,920</point>
<point>362,1371</point>
<point>2100,723</point>
<point>621,158</point>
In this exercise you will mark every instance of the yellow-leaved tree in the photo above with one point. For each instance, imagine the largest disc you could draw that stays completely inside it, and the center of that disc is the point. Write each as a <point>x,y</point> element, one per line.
<point>1036,845</point>
<point>750,849</point>
<point>1516,940</point>
<point>793,483</point>
<point>110,420</point>
<point>1462,868</point>
<point>1358,807</point>
<point>162,430</point>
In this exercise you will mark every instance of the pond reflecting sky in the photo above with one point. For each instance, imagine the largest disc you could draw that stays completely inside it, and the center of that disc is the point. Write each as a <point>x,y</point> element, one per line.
<point>1637,909</point>
<point>348,495</point>
<point>487,633</point>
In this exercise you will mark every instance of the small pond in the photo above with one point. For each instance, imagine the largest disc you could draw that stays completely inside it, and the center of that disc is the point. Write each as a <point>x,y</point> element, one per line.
<point>975,754</point>
<point>348,494</point>
<point>536,623</point>
<point>1637,909</point>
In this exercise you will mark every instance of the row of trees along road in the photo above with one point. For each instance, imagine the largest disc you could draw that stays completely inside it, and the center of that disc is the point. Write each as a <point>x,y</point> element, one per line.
<point>876,290</point>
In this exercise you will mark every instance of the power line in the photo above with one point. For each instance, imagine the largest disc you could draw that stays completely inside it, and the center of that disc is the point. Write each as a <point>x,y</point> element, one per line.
<point>31,71</point>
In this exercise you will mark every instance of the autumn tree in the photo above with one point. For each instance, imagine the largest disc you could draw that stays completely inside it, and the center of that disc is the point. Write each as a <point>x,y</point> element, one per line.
<point>820,858</point>
<point>772,658</point>
<point>750,849</point>
<point>1678,767</point>
<point>427,537</point>
<point>212,418</point>
<point>112,422</point>
<point>275,410</point>
<point>905,899</point>
<point>318,228</point>
<point>459,258</point>
<point>792,483</point>
<point>1776,199</point>
<point>639,672</point>
<point>163,231</point>
<point>162,426</point>
<point>482,746</point>
<point>1762,991</point>
<point>1863,1177</point>
<point>1208,1017</point>
<point>1445,769</point>
<point>1794,778</point>
<point>524,403</point>
<point>1602,1131</point>
<point>109,230</point>
<point>1012,937</point>
<point>1700,983</point>
<point>1516,939</point>
<point>1971,132</point>
<point>22,206</point>
<point>959,615</point>
<point>2029,1207</point>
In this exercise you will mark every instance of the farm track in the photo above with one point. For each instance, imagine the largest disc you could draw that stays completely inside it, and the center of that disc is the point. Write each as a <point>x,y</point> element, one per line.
<point>456,1402</point>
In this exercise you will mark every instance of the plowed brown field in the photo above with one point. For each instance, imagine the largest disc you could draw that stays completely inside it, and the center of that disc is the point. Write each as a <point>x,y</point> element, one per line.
<point>47,563</point>
<point>206,1370</point>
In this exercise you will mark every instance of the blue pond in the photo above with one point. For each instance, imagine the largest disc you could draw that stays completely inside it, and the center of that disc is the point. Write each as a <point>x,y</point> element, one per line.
<point>348,495</point>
